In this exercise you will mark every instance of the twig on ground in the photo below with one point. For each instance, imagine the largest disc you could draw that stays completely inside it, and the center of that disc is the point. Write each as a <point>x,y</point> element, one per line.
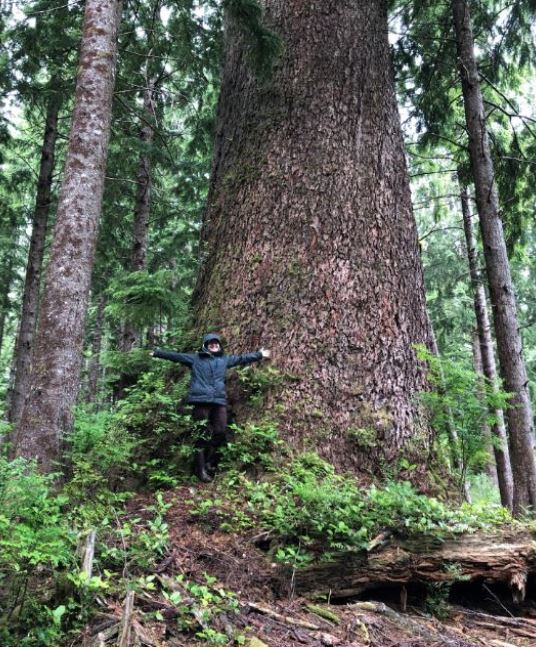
<point>287,620</point>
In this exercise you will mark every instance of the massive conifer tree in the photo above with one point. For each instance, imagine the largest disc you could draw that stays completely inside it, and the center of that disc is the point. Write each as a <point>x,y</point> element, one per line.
<point>309,242</point>
<point>54,381</point>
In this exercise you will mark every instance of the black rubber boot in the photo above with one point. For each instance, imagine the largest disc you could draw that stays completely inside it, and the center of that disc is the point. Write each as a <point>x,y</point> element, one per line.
<point>211,463</point>
<point>200,469</point>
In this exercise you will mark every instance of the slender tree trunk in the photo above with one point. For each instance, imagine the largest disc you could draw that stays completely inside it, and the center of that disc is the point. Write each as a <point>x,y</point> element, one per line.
<point>456,450</point>
<point>138,257</point>
<point>491,466</point>
<point>5,301</point>
<point>509,346</point>
<point>7,274</point>
<point>130,335</point>
<point>94,362</point>
<point>138,260</point>
<point>310,245</point>
<point>30,296</point>
<point>54,382</point>
<point>487,357</point>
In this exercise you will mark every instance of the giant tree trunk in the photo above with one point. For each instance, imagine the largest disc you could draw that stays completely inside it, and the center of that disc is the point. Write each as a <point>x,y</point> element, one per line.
<point>487,356</point>
<point>309,242</point>
<point>54,382</point>
<point>30,297</point>
<point>509,346</point>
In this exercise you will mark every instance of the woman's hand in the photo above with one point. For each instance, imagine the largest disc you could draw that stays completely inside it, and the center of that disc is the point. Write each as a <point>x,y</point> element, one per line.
<point>266,354</point>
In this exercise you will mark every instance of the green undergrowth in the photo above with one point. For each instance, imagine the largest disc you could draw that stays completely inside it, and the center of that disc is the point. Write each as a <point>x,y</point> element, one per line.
<point>264,488</point>
<point>310,512</point>
<point>45,595</point>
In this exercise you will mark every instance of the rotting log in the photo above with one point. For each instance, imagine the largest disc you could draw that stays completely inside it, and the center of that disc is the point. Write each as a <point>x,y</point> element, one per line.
<point>498,558</point>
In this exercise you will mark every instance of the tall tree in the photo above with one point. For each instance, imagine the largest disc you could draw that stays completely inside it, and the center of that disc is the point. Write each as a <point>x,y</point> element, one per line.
<point>142,206</point>
<point>486,357</point>
<point>30,296</point>
<point>7,265</point>
<point>456,450</point>
<point>502,294</point>
<point>309,241</point>
<point>54,383</point>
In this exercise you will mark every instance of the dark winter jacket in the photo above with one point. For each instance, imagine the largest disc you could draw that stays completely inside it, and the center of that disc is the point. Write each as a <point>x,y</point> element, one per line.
<point>208,370</point>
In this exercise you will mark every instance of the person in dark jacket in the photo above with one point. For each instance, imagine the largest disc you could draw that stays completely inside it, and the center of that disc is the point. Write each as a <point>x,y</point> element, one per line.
<point>208,395</point>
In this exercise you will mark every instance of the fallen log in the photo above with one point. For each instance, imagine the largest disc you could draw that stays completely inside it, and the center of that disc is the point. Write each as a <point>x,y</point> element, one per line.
<point>505,558</point>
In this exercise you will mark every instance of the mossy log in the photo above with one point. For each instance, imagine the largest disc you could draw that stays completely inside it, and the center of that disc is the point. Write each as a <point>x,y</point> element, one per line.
<point>498,558</point>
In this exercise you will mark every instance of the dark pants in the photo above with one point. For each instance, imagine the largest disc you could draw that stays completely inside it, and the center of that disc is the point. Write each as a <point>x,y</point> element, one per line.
<point>211,422</point>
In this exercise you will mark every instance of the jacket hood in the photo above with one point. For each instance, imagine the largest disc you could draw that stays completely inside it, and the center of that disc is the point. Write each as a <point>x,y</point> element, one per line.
<point>208,338</point>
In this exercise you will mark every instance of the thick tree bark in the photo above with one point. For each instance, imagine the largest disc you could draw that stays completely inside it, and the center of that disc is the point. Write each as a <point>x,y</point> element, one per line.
<point>502,295</point>
<point>54,382</point>
<point>487,357</point>
<point>309,242</point>
<point>30,297</point>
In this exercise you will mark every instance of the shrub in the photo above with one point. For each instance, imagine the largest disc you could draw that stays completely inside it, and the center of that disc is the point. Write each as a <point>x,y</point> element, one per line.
<point>36,545</point>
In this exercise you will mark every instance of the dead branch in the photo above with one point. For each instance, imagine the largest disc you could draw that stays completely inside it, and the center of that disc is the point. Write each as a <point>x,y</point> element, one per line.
<point>89,554</point>
<point>287,620</point>
<point>126,621</point>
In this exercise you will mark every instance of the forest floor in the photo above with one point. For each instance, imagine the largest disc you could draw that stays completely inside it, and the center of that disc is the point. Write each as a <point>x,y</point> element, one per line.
<point>220,587</point>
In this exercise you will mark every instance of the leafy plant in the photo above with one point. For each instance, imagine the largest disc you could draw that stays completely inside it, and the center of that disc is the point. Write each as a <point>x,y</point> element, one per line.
<point>35,541</point>
<point>311,511</point>
<point>252,445</point>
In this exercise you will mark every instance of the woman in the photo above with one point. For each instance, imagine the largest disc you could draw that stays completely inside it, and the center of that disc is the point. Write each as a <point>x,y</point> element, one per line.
<point>208,395</point>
